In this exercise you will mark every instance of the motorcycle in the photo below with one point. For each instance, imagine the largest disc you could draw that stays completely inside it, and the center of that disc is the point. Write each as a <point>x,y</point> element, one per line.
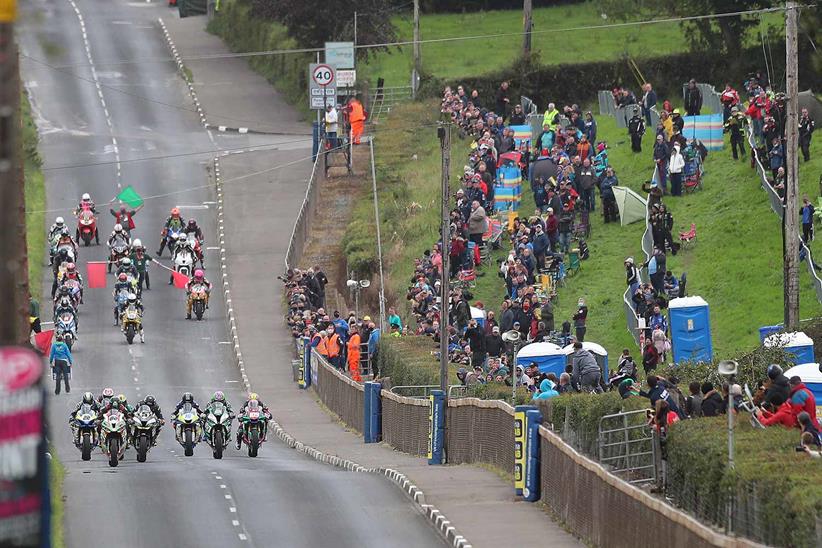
<point>75,292</point>
<point>198,300</point>
<point>131,322</point>
<point>145,430</point>
<point>119,249</point>
<point>170,234</point>
<point>120,299</point>
<point>187,428</point>
<point>115,436</point>
<point>218,428</point>
<point>85,430</point>
<point>184,261</point>
<point>253,427</point>
<point>87,226</point>
<point>66,324</point>
<point>70,256</point>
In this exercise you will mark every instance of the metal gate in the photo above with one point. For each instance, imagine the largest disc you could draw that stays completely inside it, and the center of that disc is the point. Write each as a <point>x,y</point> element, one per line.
<point>627,448</point>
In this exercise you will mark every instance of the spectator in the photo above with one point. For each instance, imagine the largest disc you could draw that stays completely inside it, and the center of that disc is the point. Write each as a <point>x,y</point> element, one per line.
<point>477,223</point>
<point>393,318</point>
<point>657,320</point>
<point>783,415</point>
<point>806,127</point>
<point>807,426</point>
<point>517,117</point>
<point>712,403</point>
<point>661,343</point>
<point>806,445</point>
<point>580,318</point>
<point>586,180</point>
<point>632,275</point>
<point>778,388</point>
<point>776,156</point>
<point>590,130</point>
<point>661,155</point>
<point>476,340</point>
<point>502,100</point>
<point>648,101</point>
<point>546,390</point>
<point>729,100</point>
<point>609,205</point>
<point>676,165</point>
<point>650,357</point>
<point>658,389</point>
<point>586,373</point>
<point>551,117</point>
<point>806,212</point>
<point>802,399</point>
<point>666,125</point>
<point>693,99</point>
<point>636,129</point>
<point>693,404</point>
<point>331,125</point>
<point>735,125</point>
<point>564,383</point>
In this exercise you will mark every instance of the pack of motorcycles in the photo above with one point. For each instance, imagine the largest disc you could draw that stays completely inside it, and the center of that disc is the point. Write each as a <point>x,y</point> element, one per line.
<point>113,432</point>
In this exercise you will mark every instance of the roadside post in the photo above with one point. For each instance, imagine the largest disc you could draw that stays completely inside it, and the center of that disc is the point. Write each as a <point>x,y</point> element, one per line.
<point>533,420</point>
<point>436,427</point>
<point>304,377</point>
<point>372,413</point>
<point>520,442</point>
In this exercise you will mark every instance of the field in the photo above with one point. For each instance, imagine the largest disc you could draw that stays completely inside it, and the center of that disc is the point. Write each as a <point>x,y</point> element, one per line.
<point>550,40</point>
<point>735,264</point>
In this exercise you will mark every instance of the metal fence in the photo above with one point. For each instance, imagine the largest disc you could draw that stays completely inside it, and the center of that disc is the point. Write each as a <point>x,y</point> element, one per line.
<point>302,226</point>
<point>779,208</point>
<point>405,423</point>
<point>605,511</point>
<point>711,100</point>
<point>626,446</point>
<point>383,99</point>
<point>339,393</point>
<point>480,431</point>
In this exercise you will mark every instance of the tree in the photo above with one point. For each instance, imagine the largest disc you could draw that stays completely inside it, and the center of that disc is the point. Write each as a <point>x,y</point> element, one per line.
<point>314,22</point>
<point>725,34</point>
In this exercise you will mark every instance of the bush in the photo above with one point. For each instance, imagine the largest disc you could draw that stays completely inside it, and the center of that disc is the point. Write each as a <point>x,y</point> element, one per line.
<point>407,361</point>
<point>775,490</point>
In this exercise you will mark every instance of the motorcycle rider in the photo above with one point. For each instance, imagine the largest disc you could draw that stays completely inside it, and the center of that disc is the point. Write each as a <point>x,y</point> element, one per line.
<point>218,397</point>
<point>135,302</point>
<point>193,228</point>
<point>64,305</point>
<point>253,396</point>
<point>105,396</point>
<point>66,239</point>
<point>181,245</point>
<point>140,259</point>
<point>120,403</point>
<point>188,397</point>
<point>126,266</point>
<point>86,201</point>
<point>121,283</point>
<point>198,279</point>
<point>54,233</point>
<point>175,220</point>
<point>88,398</point>
<point>152,404</point>
<point>72,274</point>
<point>119,234</point>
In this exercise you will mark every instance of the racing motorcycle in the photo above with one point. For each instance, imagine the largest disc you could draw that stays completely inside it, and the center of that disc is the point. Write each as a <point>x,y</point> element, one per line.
<point>145,429</point>
<point>74,291</point>
<point>218,428</point>
<point>253,427</point>
<point>187,428</point>
<point>184,261</point>
<point>171,234</point>
<point>114,434</point>
<point>66,324</point>
<point>198,300</point>
<point>121,299</point>
<point>131,322</point>
<point>87,226</point>
<point>84,427</point>
<point>118,249</point>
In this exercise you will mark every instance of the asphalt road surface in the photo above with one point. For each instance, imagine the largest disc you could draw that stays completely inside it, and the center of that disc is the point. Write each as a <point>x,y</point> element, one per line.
<point>103,126</point>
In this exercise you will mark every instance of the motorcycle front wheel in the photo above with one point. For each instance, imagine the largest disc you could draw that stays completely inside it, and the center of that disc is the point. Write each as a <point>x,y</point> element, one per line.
<point>114,451</point>
<point>217,440</point>
<point>85,446</point>
<point>189,442</point>
<point>253,441</point>
<point>130,331</point>
<point>142,448</point>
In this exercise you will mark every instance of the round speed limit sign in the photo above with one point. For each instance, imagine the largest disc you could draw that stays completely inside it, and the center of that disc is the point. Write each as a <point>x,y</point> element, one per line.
<point>323,75</point>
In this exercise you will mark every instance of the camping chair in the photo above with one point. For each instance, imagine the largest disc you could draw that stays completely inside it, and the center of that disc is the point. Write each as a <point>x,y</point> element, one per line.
<point>485,254</point>
<point>573,262</point>
<point>687,238</point>
<point>466,278</point>
<point>558,275</point>
<point>693,175</point>
<point>546,289</point>
<point>582,229</point>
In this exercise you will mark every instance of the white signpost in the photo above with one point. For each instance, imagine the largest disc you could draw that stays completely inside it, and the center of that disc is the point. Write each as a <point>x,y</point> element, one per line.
<point>322,85</point>
<point>340,54</point>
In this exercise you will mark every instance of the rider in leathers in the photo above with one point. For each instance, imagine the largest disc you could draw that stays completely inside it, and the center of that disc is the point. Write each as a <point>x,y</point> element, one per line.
<point>64,305</point>
<point>251,397</point>
<point>127,265</point>
<point>88,398</point>
<point>122,283</point>
<point>199,278</point>
<point>175,220</point>
<point>218,397</point>
<point>193,228</point>
<point>152,404</point>
<point>121,404</point>
<point>119,234</point>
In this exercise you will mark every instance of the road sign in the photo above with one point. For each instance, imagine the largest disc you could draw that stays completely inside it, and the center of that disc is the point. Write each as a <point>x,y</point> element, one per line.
<point>322,85</point>
<point>340,54</point>
<point>346,78</point>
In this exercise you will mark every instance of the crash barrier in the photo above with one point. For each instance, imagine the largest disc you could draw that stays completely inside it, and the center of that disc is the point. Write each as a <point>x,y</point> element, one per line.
<point>778,208</point>
<point>585,496</point>
<point>302,226</point>
<point>607,107</point>
<point>528,106</point>
<point>340,394</point>
<point>405,423</point>
<point>711,100</point>
<point>623,114</point>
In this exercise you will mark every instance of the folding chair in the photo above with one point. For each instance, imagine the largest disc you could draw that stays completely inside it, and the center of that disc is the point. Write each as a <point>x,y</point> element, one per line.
<point>573,262</point>
<point>688,238</point>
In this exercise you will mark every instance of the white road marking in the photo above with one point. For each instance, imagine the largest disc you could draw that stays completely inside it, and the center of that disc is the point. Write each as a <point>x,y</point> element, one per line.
<point>224,342</point>
<point>212,248</point>
<point>235,523</point>
<point>232,509</point>
<point>227,496</point>
<point>217,477</point>
<point>242,536</point>
<point>199,206</point>
<point>222,486</point>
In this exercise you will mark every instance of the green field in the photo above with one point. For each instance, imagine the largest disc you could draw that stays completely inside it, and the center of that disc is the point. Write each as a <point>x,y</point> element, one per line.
<point>35,200</point>
<point>550,41</point>
<point>735,264</point>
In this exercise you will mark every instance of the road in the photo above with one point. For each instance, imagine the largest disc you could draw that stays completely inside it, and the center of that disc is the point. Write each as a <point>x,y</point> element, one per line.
<point>103,126</point>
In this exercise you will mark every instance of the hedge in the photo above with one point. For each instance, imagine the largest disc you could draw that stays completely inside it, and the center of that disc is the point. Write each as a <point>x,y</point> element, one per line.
<point>776,491</point>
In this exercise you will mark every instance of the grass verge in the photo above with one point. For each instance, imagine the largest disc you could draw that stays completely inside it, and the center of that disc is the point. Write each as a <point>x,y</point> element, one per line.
<point>35,199</point>
<point>57,474</point>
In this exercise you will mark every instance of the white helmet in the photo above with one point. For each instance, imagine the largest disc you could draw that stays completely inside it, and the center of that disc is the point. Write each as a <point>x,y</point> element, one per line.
<point>118,227</point>
<point>137,243</point>
<point>86,196</point>
<point>59,221</point>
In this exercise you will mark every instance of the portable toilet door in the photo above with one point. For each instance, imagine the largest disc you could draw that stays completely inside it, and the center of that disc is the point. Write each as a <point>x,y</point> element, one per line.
<point>690,328</point>
<point>600,354</point>
<point>797,343</point>
<point>479,315</point>
<point>549,357</point>
<point>812,378</point>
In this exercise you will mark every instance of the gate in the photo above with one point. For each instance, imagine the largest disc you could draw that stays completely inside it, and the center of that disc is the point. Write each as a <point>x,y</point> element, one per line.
<point>627,448</point>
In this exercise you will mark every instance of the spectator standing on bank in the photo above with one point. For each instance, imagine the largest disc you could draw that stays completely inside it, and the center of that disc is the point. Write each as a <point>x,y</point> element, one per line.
<point>776,156</point>
<point>661,155</point>
<point>331,125</point>
<point>676,165</point>
<point>806,212</point>
<point>477,223</point>
<point>735,125</point>
<point>580,318</point>
<point>502,100</point>
<point>693,99</point>
<point>517,117</point>
<point>648,101</point>
<point>590,128</point>
<point>585,372</point>
<point>636,129</point>
<point>606,189</point>
<point>729,99</point>
<point>806,127</point>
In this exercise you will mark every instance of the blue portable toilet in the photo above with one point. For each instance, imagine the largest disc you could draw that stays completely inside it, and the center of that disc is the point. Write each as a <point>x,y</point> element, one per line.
<point>549,357</point>
<point>690,326</point>
<point>797,343</point>
<point>600,354</point>
<point>479,315</point>
<point>766,330</point>
<point>812,378</point>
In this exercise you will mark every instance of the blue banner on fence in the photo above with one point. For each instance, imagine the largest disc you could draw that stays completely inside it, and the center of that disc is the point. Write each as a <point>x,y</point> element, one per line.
<point>436,426</point>
<point>533,419</point>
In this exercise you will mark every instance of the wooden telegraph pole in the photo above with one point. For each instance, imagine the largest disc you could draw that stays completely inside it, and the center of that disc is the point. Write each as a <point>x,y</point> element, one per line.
<point>527,23</point>
<point>791,264</point>
<point>444,133</point>
<point>14,323</point>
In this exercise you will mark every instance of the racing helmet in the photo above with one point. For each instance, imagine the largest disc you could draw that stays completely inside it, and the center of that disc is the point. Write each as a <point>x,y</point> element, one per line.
<point>64,232</point>
<point>188,397</point>
<point>253,396</point>
<point>192,222</point>
<point>175,211</point>
<point>71,267</point>
<point>88,397</point>
<point>198,274</point>
<point>122,398</point>
<point>132,298</point>
<point>125,261</point>
<point>108,392</point>
<point>218,396</point>
<point>59,221</point>
<point>65,301</point>
<point>122,277</point>
<point>137,244</point>
<point>86,197</point>
<point>150,400</point>
<point>118,227</point>
<point>59,335</point>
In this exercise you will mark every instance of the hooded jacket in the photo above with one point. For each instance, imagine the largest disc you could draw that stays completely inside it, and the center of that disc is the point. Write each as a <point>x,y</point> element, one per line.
<point>784,415</point>
<point>712,404</point>
<point>802,399</point>
<point>779,391</point>
<point>546,390</point>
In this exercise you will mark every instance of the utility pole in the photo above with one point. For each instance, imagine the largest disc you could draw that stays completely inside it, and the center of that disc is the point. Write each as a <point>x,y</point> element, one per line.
<point>527,23</point>
<point>417,60</point>
<point>14,326</point>
<point>355,29</point>
<point>791,259</point>
<point>444,133</point>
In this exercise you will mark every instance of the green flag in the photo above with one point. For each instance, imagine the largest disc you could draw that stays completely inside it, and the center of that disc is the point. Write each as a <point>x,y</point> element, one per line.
<point>129,196</point>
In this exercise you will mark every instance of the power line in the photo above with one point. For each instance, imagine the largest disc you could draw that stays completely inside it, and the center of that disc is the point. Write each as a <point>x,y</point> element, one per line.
<point>608,26</point>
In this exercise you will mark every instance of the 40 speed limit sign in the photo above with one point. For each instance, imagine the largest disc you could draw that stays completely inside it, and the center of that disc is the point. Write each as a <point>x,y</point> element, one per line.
<point>322,85</point>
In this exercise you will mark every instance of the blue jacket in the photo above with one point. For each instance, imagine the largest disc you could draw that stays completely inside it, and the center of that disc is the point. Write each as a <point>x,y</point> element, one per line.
<point>373,339</point>
<point>60,351</point>
<point>546,390</point>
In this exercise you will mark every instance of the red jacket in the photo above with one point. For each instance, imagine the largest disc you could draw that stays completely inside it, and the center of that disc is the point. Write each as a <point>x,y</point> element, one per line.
<point>802,399</point>
<point>784,415</point>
